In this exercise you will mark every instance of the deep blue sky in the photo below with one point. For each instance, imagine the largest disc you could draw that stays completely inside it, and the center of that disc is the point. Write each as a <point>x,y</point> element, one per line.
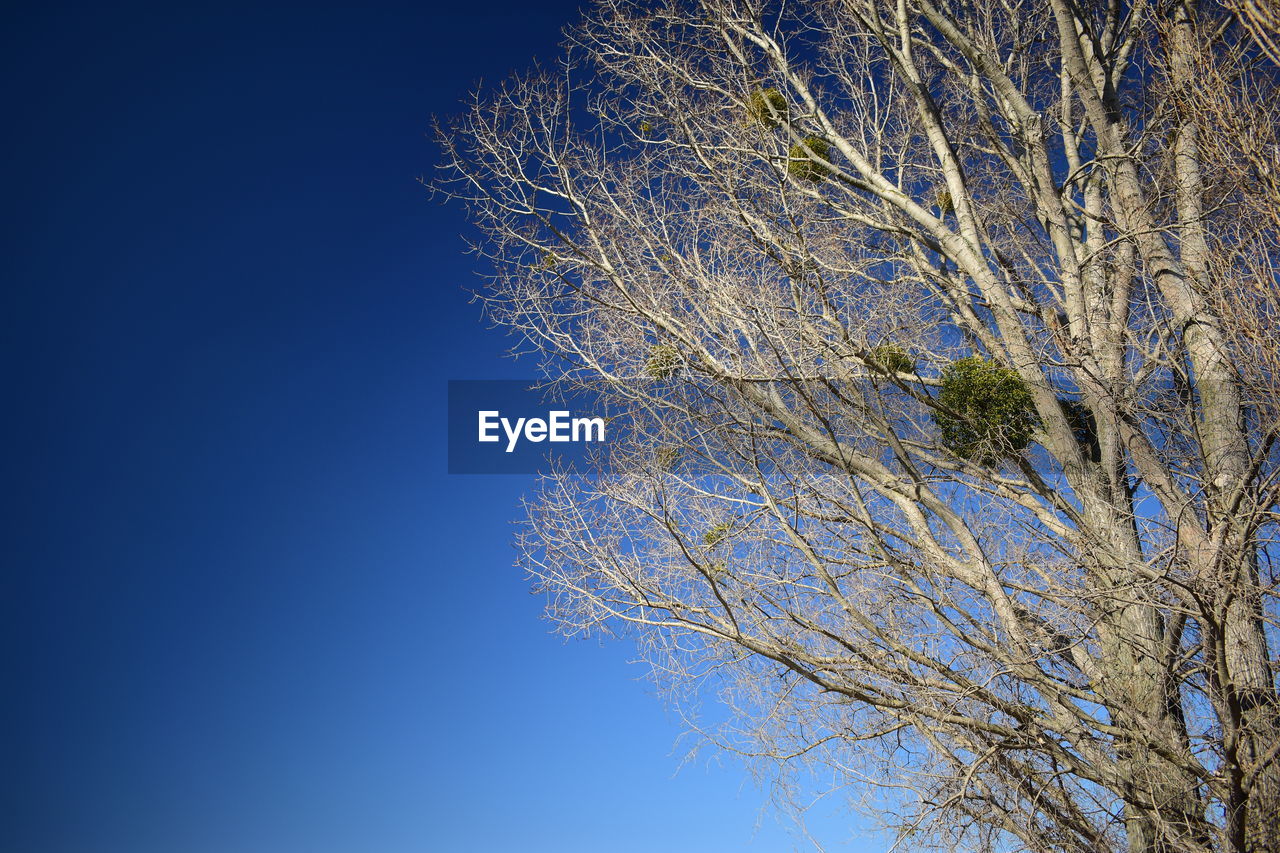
<point>244,608</point>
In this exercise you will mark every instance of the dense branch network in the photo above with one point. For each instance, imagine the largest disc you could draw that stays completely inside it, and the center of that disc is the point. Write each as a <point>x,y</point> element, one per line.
<point>941,343</point>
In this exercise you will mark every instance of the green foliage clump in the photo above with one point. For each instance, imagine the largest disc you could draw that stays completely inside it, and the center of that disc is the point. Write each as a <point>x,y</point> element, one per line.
<point>767,107</point>
<point>717,534</point>
<point>665,458</point>
<point>890,358</point>
<point>809,168</point>
<point>664,360</point>
<point>987,412</point>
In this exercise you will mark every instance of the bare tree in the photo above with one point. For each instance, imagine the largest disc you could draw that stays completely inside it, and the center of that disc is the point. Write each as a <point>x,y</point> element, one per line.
<point>941,339</point>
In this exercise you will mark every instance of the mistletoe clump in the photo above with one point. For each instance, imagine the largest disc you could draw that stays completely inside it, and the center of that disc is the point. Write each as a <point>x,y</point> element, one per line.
<point>890,358</point>
<point>986,412</point>
<point>665,458</point>
<point>664,360</point>
<point>767,107</point>
<point>717,534</point>
<point>807,160</point>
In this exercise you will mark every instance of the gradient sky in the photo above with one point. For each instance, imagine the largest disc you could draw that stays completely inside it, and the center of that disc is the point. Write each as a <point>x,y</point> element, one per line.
<point>244,608</point>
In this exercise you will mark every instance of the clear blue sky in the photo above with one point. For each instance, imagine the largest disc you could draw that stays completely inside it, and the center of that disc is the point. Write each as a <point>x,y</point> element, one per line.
<point>244,608</point>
